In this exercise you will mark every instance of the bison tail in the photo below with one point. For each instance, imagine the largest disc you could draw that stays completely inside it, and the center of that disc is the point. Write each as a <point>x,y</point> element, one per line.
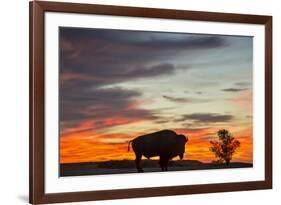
<point>129,145</point>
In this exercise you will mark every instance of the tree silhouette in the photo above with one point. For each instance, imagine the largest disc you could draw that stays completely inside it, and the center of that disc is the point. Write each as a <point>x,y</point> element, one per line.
<point>225,147</point>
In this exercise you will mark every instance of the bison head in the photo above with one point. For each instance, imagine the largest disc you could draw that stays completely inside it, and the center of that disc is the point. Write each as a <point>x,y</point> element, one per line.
<point>182,140</point>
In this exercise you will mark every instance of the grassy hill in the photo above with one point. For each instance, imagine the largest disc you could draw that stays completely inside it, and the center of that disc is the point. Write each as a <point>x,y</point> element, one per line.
<point>128,166</point>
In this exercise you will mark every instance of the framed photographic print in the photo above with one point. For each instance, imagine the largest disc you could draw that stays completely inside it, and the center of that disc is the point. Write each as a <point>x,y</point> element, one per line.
<point>139,102</point>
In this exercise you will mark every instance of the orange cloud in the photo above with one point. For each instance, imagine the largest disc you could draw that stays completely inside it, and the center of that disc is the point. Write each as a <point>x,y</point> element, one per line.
<point>70,76</point>
<point>91,147</point>
<point>88,149</point>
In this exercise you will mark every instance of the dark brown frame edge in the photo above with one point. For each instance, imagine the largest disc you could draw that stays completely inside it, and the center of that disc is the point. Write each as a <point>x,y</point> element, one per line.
<point>37,193</point>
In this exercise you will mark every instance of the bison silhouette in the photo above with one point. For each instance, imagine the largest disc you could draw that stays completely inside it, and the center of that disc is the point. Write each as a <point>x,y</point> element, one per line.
<point>165,143</point>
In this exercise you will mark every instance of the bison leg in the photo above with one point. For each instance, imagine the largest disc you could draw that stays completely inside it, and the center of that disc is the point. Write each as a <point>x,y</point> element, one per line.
<point>162,163</point>
<point>138,160</point>
<point>166,166</point>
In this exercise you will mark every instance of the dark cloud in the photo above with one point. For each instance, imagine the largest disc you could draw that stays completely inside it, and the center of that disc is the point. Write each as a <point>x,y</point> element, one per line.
<point>102,53</point>
<point>185,100</point>
<point>177,100</point>
<point>161,69</point>
<point>103,77</point>
<point>162,121</point>
<point>103,107</point>
<point>243,84</point>
<point>93,101</point>
<point>233,89</point>
<point>206,118</point>
<point>144,38</point>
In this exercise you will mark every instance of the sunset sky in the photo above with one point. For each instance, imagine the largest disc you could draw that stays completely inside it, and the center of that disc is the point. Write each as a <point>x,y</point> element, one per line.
<point>116,85</point>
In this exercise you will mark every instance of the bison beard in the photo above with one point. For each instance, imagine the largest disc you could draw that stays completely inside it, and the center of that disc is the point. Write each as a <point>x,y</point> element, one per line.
<point>165,143</point>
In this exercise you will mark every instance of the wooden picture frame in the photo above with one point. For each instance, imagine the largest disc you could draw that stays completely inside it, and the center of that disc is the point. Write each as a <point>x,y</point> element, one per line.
<point>37,194</point>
